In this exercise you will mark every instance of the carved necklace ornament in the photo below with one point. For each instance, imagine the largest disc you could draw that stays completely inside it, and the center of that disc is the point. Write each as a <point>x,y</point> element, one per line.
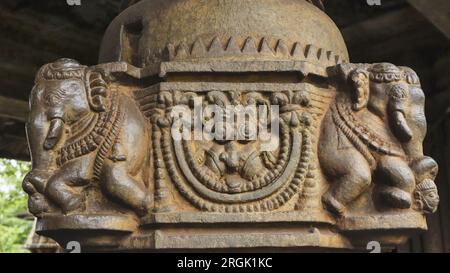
<point>147,151</point>
<point>262,49</point>
<point>97,138</point>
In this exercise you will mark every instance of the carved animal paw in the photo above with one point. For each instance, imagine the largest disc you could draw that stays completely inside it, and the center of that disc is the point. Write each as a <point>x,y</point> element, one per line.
<point>33,181</point>
<point>332,205</point>
<point>397,198</point>
<point>38,204</point>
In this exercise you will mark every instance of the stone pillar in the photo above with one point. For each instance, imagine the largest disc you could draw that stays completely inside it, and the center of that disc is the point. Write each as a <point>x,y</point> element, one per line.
<point>114,167</point>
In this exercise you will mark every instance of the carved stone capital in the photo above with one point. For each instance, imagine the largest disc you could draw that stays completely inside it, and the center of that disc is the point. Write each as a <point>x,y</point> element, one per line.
<point>146,150</point>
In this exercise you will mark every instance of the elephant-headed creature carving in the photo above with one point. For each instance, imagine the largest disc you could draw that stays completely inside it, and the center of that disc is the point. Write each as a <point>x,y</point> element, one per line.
<point>374,130</point>
<point>83,132</point>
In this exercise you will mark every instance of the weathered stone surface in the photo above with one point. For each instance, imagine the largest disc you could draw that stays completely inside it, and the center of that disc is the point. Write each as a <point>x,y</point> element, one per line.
<point>109,171</point>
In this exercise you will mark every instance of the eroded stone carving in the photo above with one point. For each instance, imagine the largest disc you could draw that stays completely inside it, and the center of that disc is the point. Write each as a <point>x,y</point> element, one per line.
<point>378,124</point>
<point>90,135</point>
<point>236,176</point>
<point>261,49</point>
<point>108,171</point>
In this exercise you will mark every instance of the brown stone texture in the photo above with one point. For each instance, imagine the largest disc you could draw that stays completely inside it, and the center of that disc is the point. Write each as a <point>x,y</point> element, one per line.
<point>108,171</point>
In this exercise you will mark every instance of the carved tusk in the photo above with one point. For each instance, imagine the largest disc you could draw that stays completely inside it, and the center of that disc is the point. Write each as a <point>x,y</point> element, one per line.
<point>401,128</point>
<point>54,133</point>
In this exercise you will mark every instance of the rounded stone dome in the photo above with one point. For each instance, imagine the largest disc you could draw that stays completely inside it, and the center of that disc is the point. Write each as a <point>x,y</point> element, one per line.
<point>152,31</point>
